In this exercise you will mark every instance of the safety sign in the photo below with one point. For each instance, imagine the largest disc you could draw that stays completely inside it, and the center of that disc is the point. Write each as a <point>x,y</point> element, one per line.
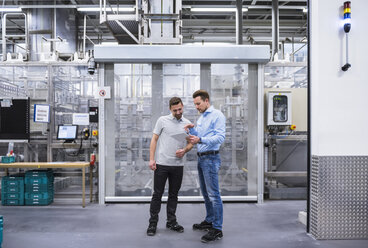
<point>103,92</point>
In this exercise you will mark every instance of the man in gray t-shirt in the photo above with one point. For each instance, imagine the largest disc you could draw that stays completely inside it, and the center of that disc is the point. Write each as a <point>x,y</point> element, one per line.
<point>169,139</point>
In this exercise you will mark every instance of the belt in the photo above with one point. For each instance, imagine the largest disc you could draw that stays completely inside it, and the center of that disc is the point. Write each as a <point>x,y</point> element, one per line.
<point>200,154</point>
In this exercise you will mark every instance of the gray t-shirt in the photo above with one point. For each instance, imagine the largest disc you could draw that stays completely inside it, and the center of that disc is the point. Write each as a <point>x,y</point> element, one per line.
<point>166,127</point>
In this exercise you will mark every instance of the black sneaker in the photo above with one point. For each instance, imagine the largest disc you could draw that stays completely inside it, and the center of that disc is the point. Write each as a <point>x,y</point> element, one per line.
<point>212,235</point>
<point>204,225</point>
<point>151,230</point>
<point>175,227</point>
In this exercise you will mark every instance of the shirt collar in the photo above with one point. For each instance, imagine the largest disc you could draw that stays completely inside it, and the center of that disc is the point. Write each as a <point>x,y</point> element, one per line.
<point>209,110</point>
<point>174,118</point>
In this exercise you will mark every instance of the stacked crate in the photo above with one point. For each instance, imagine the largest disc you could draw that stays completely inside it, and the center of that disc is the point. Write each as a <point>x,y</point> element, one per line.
<point>7,159</point>
<point>12,191</point>
<point>39,187</point>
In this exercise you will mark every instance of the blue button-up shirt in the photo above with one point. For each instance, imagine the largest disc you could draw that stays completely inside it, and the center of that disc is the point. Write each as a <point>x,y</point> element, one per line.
<point>211,127</point>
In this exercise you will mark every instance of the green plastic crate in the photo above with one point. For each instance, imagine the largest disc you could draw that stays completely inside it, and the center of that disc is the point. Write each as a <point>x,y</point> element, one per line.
<point>12,189</point>
<point>7,196</point>
<point>12,184</point>
<point>12,202</point>
<point>37,191</point>
<point>35,173</point>
<point>12,181</point>
<point>6,160</point>
<point>40,196</point>
<point>38,180</point>
<point>50,178</point>
<point>32,202</point>
<point>39,188</point>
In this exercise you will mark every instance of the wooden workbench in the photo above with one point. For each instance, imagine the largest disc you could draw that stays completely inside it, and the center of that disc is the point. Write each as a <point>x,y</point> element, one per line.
<point>57,165</point>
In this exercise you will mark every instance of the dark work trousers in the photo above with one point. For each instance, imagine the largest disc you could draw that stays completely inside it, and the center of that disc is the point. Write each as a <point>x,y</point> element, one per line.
<point>162,173</point>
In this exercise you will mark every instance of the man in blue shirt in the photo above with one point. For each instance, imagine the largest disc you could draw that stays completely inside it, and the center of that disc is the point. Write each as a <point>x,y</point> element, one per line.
<point>209,134</point>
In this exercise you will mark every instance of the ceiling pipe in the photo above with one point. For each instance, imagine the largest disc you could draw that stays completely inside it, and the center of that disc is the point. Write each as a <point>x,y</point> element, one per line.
<point>275,27</point>
<point>239,22</point>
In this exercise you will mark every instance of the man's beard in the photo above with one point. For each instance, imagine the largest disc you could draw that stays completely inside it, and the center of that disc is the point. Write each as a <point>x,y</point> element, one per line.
<point>204,110</point>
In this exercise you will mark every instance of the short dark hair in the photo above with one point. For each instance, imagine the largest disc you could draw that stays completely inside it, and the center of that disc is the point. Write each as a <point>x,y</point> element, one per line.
<point>175,101</point>
<point>202,93</point>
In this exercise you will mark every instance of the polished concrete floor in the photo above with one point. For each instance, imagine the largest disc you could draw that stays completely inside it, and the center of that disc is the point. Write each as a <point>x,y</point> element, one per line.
<point>269,225</point>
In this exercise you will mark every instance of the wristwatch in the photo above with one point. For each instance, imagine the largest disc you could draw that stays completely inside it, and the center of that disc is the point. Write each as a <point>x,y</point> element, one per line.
<point>200,140</point>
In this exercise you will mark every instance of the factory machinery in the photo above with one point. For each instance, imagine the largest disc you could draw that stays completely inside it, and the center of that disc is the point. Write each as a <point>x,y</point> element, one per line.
<point>51,66</point>
<point>65,88</point>
<point>72,91</point>
<point>286,131</point>
<point>134,123</point>
<point>285,149</point>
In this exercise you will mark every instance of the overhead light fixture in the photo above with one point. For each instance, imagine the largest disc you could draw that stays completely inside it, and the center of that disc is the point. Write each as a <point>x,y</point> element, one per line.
<point>195,9</point>
<point>107,43</point>
<point>12,9</point>
<point>212,9</point>
<point>108,9</point>
<point>305,10</point>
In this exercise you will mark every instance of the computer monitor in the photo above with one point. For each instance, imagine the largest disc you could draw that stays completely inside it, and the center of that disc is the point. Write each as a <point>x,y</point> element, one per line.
<point>67,132</point>
<point>14,119</point>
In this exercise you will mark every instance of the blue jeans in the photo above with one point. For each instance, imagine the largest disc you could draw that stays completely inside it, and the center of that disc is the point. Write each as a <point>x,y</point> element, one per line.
<point>208,168</point>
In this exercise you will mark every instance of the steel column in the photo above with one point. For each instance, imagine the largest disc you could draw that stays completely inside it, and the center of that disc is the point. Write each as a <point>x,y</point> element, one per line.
<point>260,133</point>
<point>157,92</point>
<point>51,102</point>
<point>109,120</point>
<point>255,131</point>
<point>239,22</point>
<point>275,27</point>
<point>101,139</point>
<point>205,77</point>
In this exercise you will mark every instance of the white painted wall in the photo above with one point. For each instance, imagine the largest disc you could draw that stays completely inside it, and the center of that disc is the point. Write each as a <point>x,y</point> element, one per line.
<point>339,100</point>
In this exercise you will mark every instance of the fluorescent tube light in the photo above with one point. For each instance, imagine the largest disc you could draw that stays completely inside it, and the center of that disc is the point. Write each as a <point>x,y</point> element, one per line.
<point>12,9</point>
<point>216,9</point>
<point>106,43</point>
<point>108,9</point>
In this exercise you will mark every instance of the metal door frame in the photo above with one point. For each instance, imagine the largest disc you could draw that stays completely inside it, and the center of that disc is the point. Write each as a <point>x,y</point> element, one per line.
<point>255,56</point>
